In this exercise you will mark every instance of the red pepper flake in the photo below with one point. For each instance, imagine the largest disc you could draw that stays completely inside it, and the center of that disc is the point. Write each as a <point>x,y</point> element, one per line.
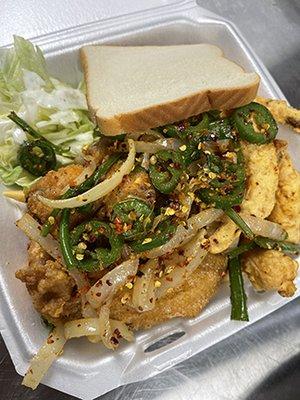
<point>114,341</point>
<point>169,279</point>
<point>108,282</point>
<point>98,294</point>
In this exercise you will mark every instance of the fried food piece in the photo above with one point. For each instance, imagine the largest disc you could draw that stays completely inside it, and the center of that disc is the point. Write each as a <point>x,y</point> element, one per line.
<point>282,112</point>
<point>52,290</point>
<point>259,200</point>
<point>262,179</point>
<point>51,186</point>
<point>271,270</point>
<point>286,211</point>
<point>185,301</point>
<point>136,184</point>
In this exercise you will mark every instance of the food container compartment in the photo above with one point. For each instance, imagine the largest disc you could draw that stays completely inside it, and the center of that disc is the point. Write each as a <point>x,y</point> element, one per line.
<point>86,370</point>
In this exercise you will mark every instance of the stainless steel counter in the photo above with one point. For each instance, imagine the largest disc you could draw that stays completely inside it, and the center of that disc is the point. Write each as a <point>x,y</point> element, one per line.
<point>261,362</point>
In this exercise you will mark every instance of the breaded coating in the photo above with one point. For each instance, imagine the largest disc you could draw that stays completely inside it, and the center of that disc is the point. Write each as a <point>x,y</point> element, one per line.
<point>136,184</point>
<point>262,179</point>
<point>271,270</point>
<point>51,185</point>
<point>52,289</point>
<point>186,300</point>
<point>259,200</point>
<point>286,211</point>
<point>224,236</point>
<point>282,112</point>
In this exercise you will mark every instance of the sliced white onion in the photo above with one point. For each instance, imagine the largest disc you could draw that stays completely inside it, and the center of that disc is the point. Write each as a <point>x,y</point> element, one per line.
<point>105,330</point>
<point>98,191</point>
<point>90,327</point>
<point>182,235</point>
<point>143,296</point>
<point>41,362</point>
<point>157,145</point>
<point>263,227</point>
<point>145,161</point>
<point>111,282</point>
<point>32,229</point>
<point>194,255</point>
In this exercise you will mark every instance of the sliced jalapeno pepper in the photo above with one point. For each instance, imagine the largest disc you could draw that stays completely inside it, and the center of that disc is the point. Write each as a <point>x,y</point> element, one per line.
<point>255,123</point>
<point>162,234</point>
<point>95,245</point>
<point>185,128</point>
<point>132,217</point>
<point>86,185</point>
<point>216,130</point>
<point>166,172</point>
<point>227,188</point>
<point>37,157</point>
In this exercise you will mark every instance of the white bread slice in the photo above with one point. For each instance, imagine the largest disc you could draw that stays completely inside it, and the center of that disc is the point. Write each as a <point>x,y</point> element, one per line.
<point>131,89</point>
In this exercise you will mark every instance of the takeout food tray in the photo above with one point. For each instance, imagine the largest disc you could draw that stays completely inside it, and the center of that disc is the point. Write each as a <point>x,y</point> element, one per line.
<point>88,370</point>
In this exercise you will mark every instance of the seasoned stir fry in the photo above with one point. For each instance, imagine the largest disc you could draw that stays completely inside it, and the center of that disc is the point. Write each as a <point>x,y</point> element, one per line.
<point>140,228</point>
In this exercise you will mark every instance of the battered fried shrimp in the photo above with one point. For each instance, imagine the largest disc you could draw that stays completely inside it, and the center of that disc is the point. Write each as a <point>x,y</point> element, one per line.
<point>271,270</point>
<point>286,211</point>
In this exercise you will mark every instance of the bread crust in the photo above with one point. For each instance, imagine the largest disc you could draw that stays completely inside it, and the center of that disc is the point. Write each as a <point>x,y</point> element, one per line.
<point>170,112</point>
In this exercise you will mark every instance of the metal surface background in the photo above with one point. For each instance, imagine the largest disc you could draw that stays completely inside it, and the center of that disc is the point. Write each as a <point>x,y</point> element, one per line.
<point>262,361</point>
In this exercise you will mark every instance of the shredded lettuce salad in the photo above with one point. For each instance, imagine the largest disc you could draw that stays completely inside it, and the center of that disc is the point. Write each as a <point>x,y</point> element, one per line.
<point>55,109</point>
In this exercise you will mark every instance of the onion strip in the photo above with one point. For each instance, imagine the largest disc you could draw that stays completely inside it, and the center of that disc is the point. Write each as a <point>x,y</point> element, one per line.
<point>263,227</point>
<point>183,235</point>
<point>111,282</point>
<point>157,145</point>
<point>90,327</point>
<point>98,191</point>
<point>32,229</point>
<point>194,255</point>
<point>42,361</point>
<point>143,296</point>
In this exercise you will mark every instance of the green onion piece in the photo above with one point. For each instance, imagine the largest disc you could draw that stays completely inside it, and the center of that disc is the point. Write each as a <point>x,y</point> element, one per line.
<point>65,239</point>
<point>271,244</point>
<point>238,296</point>
<point>238,220</point>
<point>241,249</point>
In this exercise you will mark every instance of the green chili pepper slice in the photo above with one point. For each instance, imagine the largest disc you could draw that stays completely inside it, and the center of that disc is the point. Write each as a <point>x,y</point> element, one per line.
<point>228,187</point>
<point>216,130</point>
<point>37,157</point>
<point>95,244</point>
<point>238,296</point>
<point>271,244</point>
<point>36,135</point>
<point>185,128</point>
<point>133,216</point>
<point>255,123</point>
<point>166,172</point>
<point>86,185</point>
<point>162,234</point>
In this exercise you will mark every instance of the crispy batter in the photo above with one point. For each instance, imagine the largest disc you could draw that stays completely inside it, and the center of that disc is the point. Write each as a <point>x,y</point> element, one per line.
<point>52,290</point>
<point>262,179</point>
<point>51,186</point>
<point>259,200</point>
<point>136,184</point>
<point>286,211</point>
<point>271,270</point>
<point>282,112</point>
<point>185,301</point>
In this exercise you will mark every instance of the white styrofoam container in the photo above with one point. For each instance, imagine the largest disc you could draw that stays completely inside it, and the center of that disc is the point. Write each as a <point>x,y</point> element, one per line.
<point>86,370</point>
